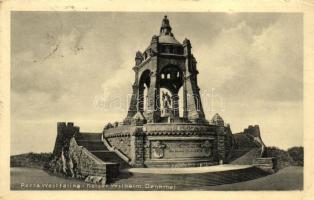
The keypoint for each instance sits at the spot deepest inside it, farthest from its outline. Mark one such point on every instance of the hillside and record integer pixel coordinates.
(30, 160)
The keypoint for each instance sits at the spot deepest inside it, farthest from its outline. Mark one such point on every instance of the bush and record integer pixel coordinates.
(282, 156)
(297, 155)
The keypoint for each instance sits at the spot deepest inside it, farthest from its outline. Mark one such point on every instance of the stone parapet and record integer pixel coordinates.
(121, 131)
(87, 165)
(178, 129)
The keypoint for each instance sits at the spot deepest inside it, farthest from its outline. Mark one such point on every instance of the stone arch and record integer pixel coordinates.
(145, 78)
(144, 85)
(173, 78)
(173, 82)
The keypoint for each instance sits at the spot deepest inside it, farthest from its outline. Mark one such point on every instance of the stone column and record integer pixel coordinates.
(175, 105)
(185, 104)
(194, 105)
(153, 101)
(133, 106)
(140, 99)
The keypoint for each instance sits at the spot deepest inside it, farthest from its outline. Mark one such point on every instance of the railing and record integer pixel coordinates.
(114, 149)
(86, 152)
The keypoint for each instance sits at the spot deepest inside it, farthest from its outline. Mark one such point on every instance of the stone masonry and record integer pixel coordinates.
(76, 161)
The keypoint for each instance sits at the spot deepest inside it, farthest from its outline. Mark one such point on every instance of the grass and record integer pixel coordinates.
(30, 160)
(289, 178)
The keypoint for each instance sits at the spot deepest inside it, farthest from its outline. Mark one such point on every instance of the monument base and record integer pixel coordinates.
(168, 144)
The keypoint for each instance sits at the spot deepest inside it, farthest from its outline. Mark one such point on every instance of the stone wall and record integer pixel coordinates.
(64, 133)
(122, 143)
(248, 146)
(229, 143)
(70, 159)
(221, 144)
(179, 145)
(88, 166)
(267, 164)
(137, 142)
(182, 143)
(125, 139)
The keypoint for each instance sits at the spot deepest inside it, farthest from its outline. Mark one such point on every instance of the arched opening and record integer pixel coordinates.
(173, 78)
(169, 91)
(144, 84)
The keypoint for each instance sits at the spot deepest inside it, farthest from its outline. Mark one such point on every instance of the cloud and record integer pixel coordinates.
(244, 65)
(64, 75)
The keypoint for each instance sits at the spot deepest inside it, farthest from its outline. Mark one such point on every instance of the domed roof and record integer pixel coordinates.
(168, 39)
(165, 35)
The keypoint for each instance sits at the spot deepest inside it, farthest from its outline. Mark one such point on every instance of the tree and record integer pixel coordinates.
(282, 156)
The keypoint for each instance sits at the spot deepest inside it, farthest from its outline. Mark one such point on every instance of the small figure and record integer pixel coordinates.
(166, 102)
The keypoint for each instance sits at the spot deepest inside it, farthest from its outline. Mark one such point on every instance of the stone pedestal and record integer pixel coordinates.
(168, 144)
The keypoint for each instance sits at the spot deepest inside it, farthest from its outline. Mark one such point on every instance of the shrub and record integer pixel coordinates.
(297, 155)
(282, 156)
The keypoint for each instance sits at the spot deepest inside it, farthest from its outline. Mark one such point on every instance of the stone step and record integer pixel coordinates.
(109, 156)
(193, 180)
(247, 158)
(88, 136)
(92, 145)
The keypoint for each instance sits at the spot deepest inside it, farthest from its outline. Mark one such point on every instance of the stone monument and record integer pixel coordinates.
(156, 134)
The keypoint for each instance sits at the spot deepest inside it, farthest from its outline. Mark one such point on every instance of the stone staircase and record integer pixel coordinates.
(111, 157)
(190, 181)
(245, 156)
(95, 145)
(92, 142)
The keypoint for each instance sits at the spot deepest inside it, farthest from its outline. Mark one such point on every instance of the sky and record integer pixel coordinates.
(77, 66)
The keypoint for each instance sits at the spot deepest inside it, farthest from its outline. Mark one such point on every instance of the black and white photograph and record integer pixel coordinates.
(156, 101)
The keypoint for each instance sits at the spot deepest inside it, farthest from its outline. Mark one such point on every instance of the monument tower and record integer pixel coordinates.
(155, 133)
(166, 63)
